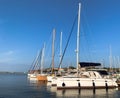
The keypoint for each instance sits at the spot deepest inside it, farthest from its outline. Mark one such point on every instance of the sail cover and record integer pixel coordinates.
(89, 64)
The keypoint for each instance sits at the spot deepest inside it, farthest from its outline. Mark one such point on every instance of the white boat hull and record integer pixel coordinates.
(32, 77)
(49, 78)
(68, 82)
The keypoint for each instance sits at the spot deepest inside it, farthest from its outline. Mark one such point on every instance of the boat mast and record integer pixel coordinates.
(78, 38)
(110, 57)
(60, 48)
(53, 54)
(42, 59)
(118, 63)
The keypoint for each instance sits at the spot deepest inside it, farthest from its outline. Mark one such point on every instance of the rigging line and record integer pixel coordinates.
(48, 49)
(68, 41)
(47, 55)
(87, 25)
(38, 59)
(33, 64)
(48, 44)
(31, 67)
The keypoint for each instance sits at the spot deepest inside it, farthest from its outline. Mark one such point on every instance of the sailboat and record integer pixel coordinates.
(84, 79)
(42, 76)
(33, 71)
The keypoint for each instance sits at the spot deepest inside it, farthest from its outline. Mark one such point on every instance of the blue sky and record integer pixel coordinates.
(26, 24)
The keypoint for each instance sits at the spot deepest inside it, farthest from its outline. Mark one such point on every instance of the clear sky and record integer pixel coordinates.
(26, 24)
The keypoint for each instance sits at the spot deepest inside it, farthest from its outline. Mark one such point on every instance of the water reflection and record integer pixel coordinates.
(38, 84)
(76, 93)
(39, 89)
(52, 92)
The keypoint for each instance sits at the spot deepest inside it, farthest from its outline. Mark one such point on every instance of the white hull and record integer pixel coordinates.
(49, 78)
(69, 82)
(88, 79)
(32, 76)
(33, 79)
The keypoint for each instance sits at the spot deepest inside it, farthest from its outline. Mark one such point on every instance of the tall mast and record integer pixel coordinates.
(53, 54)
(42, 59)
(118, 65)
(78, 38)
(110, 58)
(60, 48)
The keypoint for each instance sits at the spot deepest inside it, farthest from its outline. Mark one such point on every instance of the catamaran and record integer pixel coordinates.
(83, 79)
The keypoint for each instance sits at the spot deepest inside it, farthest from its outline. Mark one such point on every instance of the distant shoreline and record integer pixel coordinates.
(12, 72)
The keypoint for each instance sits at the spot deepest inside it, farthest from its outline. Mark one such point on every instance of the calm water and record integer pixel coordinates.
(18, 86)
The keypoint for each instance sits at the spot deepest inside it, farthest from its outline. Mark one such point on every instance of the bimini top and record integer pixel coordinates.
(89, 64)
